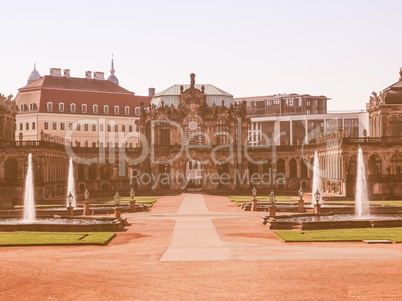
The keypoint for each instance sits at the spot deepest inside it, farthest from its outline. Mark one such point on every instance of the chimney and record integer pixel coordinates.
(55, 71)
(151, 92)
(66, 72)
(88, 74)
(99, 75)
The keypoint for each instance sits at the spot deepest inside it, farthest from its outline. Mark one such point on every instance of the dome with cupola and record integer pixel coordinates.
(34, 76)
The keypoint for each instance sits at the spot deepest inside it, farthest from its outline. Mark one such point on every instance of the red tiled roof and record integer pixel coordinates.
(79, 91)
(75, 83)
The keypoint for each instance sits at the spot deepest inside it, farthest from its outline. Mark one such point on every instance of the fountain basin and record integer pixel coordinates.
(65, 224)
(280, 207)
(50, 211)
(331, 221)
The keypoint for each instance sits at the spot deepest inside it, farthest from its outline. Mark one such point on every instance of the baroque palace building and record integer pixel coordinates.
(190, 136)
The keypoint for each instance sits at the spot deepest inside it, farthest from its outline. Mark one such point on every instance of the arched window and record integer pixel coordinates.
(84, 108)
(162, 133)
(106, 109)
(222, 132)
(31, 106)
(81, 172)
(49, 106)
(105, 173)
(116, 110)
(137, 111)
(22, 107)
(95, 109)
(72, 107)
(280, 167)
(395, 126)
(267, 168)
(374, 165)
(92, 172)
(11, 170)
(396, 164)
(127, 110)
(61, 107)
(292, 169)
(303, 169)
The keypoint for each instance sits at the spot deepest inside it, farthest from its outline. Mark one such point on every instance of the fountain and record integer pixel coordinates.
(52, 221)
(316, 178)
(29, 194)
(71, 184)
(341, 216)
(362, 205)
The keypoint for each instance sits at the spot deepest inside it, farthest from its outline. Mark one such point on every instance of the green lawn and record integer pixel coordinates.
(148, 200)
(395, 203)
(41, 205)
(54, 238)
(244, 199)
(394, 234)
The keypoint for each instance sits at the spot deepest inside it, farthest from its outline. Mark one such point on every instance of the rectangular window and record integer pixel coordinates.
(109, 128)
(27, 126)
(101, 127)
(94, 128)
(54, 126)
(78, 127)
(123, 128)
(21, 127)
(285, 129)
(46, 125)
(298, 132)
(70, 126)
(351, 127)
(62, 126)
(86, 127)
(116, 128)
(130, 128)
(33, 125)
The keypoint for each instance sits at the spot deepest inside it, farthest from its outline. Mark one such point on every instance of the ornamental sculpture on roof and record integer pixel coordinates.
(192, 81)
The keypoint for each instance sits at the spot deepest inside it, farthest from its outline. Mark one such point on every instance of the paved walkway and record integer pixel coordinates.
(166, 255)
(195, 238)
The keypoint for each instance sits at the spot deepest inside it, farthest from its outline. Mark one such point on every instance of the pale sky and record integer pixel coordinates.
(341, 49)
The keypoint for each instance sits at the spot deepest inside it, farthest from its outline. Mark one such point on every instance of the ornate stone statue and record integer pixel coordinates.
(192, 81)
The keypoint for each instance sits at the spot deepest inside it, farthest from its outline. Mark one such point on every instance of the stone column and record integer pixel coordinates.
(117, 212)
(254, 204)
(86, 208)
